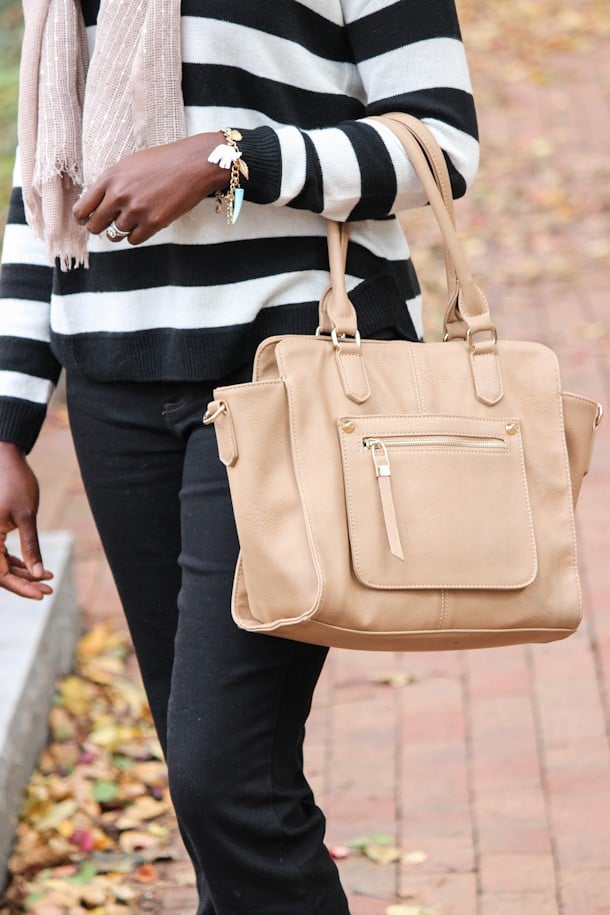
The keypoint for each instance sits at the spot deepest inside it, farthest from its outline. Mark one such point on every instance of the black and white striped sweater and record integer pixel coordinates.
(194, 301)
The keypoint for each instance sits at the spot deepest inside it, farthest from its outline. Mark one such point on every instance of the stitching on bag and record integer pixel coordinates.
(346, 381)
(351, 523)
(487, 391)
(250, 384)
(586, 400)
(443, 619)
(415, 381)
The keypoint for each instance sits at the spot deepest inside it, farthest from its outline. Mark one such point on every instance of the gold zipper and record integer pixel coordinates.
(490, 443)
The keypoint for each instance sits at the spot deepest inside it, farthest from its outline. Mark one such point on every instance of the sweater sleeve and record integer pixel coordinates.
(28, 368)
(408, 57)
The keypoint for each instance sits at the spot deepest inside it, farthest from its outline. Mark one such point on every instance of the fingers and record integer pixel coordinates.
(96, 211)
(88, 204)
(18, 568)
(30, 547)
(98, 221)
(15, 578)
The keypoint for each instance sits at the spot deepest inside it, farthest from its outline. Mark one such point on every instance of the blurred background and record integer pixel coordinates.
(536, 227)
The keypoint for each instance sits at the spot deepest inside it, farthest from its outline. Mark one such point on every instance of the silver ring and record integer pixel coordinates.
(113, 231)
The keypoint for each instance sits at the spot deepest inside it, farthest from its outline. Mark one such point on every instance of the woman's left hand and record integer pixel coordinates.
(151, 188)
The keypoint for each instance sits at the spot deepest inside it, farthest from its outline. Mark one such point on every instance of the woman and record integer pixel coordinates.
(152, 301)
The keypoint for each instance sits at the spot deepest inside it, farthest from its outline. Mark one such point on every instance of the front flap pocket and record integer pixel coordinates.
(437, 502)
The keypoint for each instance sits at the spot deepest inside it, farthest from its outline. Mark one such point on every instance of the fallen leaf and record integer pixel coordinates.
(143, 808)
(150, 773)
(113, 736)
(86, 873)
(104, 791)
(76, 695)
(56, 815)
(382, 854)
(593, 330)
(339, 852)
(395, 679)
(63, 727)
(135, 840)
(414, 857)
(361, 842)
(124, 894)
(146, 873)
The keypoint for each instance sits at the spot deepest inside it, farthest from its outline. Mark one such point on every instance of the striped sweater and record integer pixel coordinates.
(195, 300)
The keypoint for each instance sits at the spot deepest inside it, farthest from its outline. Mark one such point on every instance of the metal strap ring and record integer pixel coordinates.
(209, 418)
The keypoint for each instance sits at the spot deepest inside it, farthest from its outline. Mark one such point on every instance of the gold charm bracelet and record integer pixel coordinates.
(234, 195)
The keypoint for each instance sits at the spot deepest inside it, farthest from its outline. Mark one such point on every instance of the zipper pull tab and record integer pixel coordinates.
(383, 472)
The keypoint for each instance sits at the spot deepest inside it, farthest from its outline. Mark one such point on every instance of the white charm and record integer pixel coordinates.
(224, 155)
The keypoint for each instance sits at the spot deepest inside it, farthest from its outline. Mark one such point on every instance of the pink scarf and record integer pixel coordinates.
(77, 118)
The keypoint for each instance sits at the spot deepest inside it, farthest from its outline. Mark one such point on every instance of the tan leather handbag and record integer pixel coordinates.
(406, 496)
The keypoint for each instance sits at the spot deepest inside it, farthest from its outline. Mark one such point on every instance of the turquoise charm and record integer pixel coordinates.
(238, 199)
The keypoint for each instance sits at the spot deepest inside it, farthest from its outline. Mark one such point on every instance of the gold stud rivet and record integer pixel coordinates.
(348, 425)
(511, 428)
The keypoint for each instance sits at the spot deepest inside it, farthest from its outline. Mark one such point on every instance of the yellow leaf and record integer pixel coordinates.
(76, 695)
(97, 640)
(382, 854)
(112, 736)
(104, 670)
(153, 773)
(62, 725)
(132, 695)
(396, 679)
(414, 857)
(56, 815)
(144, 808)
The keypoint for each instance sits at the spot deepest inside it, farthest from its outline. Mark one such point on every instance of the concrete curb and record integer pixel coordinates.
(36, 645)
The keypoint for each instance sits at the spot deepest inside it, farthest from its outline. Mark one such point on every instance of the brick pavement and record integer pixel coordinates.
(494, 764)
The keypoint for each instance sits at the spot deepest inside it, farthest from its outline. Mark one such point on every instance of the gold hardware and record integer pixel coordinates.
(382, 463)
(441, 441)
(338, 338)
(470, 334)
(600, 415)
(348, 425)
(209, 418)
(512, 428)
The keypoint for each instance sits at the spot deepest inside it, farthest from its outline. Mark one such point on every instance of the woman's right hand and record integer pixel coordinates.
(27, 576)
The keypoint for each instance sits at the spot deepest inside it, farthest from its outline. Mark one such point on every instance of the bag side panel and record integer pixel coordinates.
(278, 569)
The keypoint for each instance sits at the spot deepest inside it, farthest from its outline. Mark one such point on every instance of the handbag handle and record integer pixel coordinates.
(471, 303)
(440, 172)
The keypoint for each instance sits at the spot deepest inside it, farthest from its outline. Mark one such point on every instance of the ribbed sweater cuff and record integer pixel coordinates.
(20, 422)
(261, 151)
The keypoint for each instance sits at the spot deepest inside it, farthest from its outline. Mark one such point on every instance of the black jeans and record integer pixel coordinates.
(229, 706)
